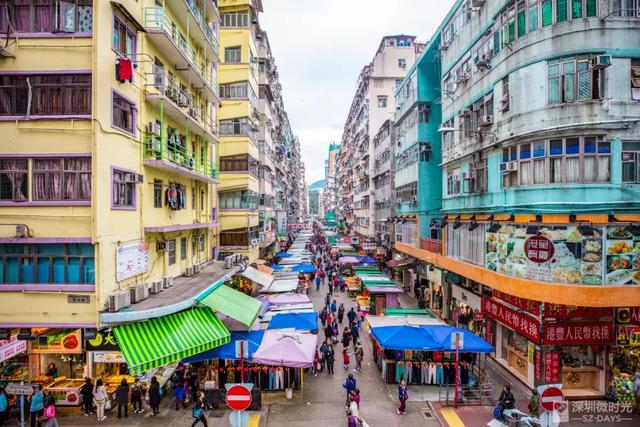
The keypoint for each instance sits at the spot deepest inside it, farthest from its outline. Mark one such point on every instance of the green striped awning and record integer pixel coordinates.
(233, 303)
(163, 340)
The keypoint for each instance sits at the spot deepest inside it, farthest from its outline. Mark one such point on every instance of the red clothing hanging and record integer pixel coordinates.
(124, 68)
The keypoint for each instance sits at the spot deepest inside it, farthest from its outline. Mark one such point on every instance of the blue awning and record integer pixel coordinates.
(228, 351)
(276, 267)
(367, 260)
(471, 342)
(405, 338)
(283, 254)
(304, 268)
(298, 321)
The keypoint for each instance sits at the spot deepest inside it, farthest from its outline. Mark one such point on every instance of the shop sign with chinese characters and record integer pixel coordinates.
(600, 412)
(538, 249)
(628, 335)
(579, 333)
(551, 367)
(519, 322)
(527, 305)
(538, 364)
(11, 347)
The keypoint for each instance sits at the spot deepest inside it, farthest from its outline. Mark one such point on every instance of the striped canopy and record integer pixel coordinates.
(163, 340)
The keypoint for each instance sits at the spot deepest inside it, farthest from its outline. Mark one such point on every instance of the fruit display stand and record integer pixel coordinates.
(65, 391)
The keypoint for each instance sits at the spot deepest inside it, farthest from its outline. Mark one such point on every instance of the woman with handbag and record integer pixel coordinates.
(100, 398)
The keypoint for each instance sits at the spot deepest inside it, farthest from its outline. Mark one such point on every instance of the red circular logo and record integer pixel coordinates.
(238, 398)
(538, 249)
(551, 399)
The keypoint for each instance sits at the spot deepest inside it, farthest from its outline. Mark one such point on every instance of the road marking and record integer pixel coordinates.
(254, 421)
(451, 417)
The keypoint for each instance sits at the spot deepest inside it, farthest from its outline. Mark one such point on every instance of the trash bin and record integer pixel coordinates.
(289, 393)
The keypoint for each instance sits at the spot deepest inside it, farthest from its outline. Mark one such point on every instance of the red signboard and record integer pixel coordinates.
(519, 322)
(551, 399)
(538, 365)
(635, 315)
(551, 368)
(579, 333)
(528, 305)
(488, 331)
(238, 397)
(538, 249)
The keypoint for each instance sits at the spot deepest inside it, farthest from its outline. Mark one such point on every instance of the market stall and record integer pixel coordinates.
(14, 361)
(295, 321)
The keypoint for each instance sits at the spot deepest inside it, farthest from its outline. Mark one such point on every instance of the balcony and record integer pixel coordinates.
(164, 34)
(166, 95)
(431, 245)
(174, 158)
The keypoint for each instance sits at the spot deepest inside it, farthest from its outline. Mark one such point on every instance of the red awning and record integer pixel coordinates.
(399, 262)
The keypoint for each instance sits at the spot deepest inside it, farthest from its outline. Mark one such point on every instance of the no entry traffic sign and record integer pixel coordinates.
(551, 399)
(238, 398)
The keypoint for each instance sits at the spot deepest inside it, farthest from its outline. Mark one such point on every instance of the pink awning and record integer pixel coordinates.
(284, 299)
(282, 348)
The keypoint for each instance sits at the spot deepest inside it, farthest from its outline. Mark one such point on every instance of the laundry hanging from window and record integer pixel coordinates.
(176, 197)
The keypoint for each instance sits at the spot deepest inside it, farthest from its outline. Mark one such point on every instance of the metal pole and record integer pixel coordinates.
(21, 410)
(455, 391)
(242, 361)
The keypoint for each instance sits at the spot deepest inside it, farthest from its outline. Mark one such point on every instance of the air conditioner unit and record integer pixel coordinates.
(188, 272)
(623, 315)
(486, 120)
(21, 231)
(161, 245)
(153, 128)
(183, 100)
(196, 268)
(139, 293)
(157, 286)
(156, 144)
(167, 282)
(119, 300)
(600, 62)
(512, 166)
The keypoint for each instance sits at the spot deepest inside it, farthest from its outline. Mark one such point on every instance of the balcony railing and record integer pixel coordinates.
(431, 245)
(204, 25)
(156, 20)
(155, 147)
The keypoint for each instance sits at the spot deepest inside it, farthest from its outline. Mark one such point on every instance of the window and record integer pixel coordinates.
(62, 179)
(424, 111)
(407, 193)
(402, 63)
(47, 263)
(570, 160)
(124, 114)
(157, 193)
(453, 182)
(378, 83)
(476, 180)
(398, 82)
(124, 189)
(547, 12)
(382, 101)
(234, 20)
(201, 200)
(171, 251)
(47, 16)
(635, 79)
(239, 163)
(561, 10)
(233, 55)
(239, 237)
(466, 245)
(183, 248)
(572, 79)
(237, 126)
(626, 8)
(51, 94)
(14, 177)
(533, 15)
(239, 200)
(631, 162)
(234, 90)
(124, 39)
(504, 101)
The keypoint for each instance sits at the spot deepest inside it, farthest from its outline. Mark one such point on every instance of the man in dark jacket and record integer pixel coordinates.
(351, 315)
(349, 384)
(506, 398)
(87, 396)
(122, 398)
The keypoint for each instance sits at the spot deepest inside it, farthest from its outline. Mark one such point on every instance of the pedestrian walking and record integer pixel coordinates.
(353, 406)
(327, 300)
(403, 395)
(50, 413)
(340, 313)
(154, 396)
(137, 391)
(354, 333)
(329, 318)
(352, 421)
(36, 406)
(345, 358)
(356, 397)
(4, 406)
(331, 287)
(86, 391)
(122, 398)
(318, 281)
(331, 359)
(350, 385)
(198, 413)
(100, 397)
(180, 395)
(359, 354)
(351, 315)
(334, 307)
(346, 339)
(193, 384)
(335, 331)
(323, 316)
(328, 332)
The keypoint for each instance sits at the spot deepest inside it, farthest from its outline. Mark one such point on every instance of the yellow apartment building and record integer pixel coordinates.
(238, 118)
(108, 160)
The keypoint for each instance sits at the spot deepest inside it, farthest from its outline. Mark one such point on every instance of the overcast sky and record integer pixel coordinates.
(320, 46)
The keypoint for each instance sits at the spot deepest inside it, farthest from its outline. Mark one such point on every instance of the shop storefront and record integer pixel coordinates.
(435, 297)
(466, 306)
(624, 358)
(14, 361)
(57, 361)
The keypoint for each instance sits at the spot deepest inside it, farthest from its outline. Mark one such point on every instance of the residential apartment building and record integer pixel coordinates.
(372, 105)
(108, 164)
(330, 195)
(239, 122)
(540, 131)
(384, 145)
